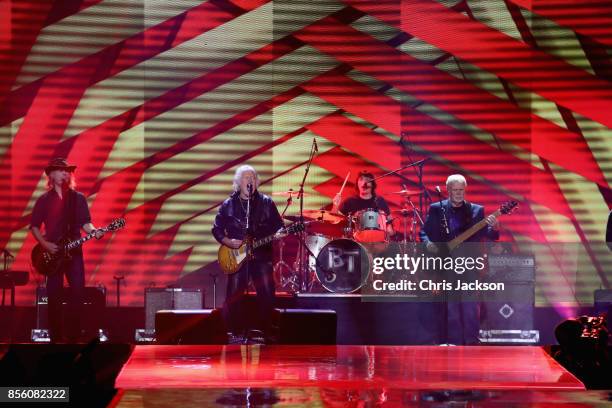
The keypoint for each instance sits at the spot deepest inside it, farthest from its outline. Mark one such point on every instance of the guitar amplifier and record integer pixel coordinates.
(94, 299)
(511, 268)
(170, 299)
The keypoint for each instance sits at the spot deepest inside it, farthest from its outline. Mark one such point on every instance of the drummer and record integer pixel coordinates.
(366, 198)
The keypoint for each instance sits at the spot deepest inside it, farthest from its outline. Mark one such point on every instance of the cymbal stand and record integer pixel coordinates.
(416, 216)
(285, 276)
(303, 266)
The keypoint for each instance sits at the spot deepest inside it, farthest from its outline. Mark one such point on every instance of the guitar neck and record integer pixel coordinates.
(77, 243)
(262, 241)
(459, 239)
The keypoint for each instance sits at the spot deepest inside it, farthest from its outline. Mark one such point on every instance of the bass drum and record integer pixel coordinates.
(343, 266)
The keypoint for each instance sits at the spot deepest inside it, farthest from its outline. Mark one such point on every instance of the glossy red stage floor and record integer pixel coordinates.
(357, 397)
(346, 367)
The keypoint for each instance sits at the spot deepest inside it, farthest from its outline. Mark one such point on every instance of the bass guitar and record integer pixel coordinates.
(504, 209)
(230, 260)
(49, 264)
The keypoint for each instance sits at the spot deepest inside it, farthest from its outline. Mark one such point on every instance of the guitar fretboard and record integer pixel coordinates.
(77, 243)
(455, 242)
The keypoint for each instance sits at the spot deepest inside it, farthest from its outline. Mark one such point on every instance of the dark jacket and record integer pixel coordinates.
(433, 231)
(231, 220)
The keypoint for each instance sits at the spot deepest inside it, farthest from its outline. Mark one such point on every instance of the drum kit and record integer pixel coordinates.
(337, 250)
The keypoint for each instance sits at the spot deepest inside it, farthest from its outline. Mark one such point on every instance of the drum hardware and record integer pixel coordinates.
(407, 193)
(405, 213)
(284, 275)
(288, 193)
(302, 270)
(324, 215)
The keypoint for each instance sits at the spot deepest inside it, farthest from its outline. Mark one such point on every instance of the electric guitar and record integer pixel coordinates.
(506, 208)
(230, 260)
(49, 264)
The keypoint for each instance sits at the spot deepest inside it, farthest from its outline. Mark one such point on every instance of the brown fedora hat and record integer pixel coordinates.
(59, 163)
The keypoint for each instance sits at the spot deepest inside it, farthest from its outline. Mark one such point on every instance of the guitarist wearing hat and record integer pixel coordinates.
(231, 229)
(63, 211)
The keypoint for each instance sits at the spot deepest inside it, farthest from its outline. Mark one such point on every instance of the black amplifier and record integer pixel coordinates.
(511, 268)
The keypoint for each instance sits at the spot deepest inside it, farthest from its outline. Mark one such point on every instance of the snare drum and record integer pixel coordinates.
(370, 226)
(343, 266)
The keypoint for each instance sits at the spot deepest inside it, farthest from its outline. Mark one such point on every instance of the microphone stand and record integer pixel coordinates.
(418, 171)
(303, 271)
(247, 248)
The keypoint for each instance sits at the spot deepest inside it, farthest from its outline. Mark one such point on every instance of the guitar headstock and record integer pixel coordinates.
(508, 207)
(295, 228)
(116, 224)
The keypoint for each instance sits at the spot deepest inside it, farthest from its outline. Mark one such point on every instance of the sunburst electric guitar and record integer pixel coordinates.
(230, 260)
(49, 264)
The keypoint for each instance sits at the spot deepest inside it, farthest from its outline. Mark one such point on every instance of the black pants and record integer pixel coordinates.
(74, 270)
(260, 273)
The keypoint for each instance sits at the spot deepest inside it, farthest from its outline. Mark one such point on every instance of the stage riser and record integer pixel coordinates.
(357, 321)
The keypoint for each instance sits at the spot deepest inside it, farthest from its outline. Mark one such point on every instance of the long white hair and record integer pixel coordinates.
(238, 175)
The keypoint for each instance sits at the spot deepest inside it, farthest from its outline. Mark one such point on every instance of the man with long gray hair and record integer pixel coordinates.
(230, 229)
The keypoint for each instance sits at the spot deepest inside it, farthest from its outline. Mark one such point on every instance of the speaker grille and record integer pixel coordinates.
(169, 299)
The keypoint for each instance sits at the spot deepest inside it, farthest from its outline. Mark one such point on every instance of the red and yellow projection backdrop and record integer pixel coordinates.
(157, 102)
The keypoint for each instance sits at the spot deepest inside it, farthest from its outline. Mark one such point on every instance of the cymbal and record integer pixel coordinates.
(405, 211)
(324, 215)
(407, 193)
(292, 218)
(288, 193)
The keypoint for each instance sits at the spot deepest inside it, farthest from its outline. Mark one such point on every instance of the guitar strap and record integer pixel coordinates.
(465, 217)
(468, 214)
(69, 213)
(257, 210)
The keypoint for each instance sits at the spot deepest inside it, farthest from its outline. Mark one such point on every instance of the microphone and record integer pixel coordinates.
(438, 190)
(314, 141)
(250, 188)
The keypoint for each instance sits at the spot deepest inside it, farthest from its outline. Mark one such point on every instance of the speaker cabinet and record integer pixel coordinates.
(94, 302)
(170, 299)
(203, 326)
(305, 326)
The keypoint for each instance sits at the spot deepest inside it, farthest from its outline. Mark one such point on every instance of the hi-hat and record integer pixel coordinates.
(324, 215)
(407, 193)
(288, 193)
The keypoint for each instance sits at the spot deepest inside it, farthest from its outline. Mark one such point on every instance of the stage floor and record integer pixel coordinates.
(357, 397)
(344, 367)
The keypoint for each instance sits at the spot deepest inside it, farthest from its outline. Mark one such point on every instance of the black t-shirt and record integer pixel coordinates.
(459, 219)
(55, 213)
(353, 204)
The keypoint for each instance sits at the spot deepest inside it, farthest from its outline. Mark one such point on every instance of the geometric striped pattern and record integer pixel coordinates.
(157, 103)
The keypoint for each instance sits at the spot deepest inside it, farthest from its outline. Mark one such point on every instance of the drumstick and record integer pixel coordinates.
(344, 184)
